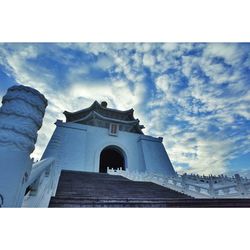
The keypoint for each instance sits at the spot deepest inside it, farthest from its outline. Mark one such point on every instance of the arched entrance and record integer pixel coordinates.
(111, 157)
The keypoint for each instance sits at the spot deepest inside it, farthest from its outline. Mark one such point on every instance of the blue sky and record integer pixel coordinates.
(195, 95)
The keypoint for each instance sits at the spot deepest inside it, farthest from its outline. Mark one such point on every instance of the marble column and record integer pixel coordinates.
(21, 116)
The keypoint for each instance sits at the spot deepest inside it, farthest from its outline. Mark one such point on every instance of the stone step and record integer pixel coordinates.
(145, 202)
(99, 185)
(107, 202)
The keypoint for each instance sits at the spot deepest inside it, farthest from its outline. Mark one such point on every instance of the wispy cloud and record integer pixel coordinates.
(195, 95)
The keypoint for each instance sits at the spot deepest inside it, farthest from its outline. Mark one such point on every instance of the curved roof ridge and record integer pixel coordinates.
(82, 110)
(96, 104)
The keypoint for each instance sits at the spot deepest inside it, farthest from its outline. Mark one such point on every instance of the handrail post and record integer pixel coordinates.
(211, 188)
(183, 182)
(240, 186)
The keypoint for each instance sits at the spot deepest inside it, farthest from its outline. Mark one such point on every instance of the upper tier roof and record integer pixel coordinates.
(101, 116)
(127, 115)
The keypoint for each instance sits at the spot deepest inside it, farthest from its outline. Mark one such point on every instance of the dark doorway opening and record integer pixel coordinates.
(112, 158)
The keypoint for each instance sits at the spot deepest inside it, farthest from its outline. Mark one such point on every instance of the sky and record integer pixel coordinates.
(195, 95)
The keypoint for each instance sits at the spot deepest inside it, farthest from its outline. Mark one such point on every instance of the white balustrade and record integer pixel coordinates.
(41, 184)
(195, 185)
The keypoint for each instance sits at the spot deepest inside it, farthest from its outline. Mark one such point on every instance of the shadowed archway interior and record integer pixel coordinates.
(112, 158)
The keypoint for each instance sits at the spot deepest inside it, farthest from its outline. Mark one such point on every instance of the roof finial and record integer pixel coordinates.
(104, 104)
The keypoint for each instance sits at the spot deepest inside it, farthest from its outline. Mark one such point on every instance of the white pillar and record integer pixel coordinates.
(21, 117)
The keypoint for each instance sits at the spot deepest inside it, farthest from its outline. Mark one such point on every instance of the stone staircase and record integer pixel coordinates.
(85, 189)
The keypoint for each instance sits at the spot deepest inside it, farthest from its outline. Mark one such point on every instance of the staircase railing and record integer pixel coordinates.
(235, 187)
(41, 184)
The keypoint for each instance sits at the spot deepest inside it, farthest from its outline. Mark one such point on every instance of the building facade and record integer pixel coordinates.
(98, 137)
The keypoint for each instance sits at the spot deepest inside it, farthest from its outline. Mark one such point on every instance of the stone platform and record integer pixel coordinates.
(85, 189)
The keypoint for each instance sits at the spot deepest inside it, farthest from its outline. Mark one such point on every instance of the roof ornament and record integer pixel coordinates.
(104, 104)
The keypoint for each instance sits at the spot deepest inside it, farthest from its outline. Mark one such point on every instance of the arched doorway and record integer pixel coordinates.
(111, 157)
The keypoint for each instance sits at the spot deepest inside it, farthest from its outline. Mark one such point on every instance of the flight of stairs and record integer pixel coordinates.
(86, 189)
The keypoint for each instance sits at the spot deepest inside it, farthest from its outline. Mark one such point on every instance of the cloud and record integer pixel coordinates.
(148, 60)
(162, 83)
(208, 111)
(194, 95)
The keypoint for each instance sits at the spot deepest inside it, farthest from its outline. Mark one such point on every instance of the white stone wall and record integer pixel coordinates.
(78, 147)
(155, 156)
